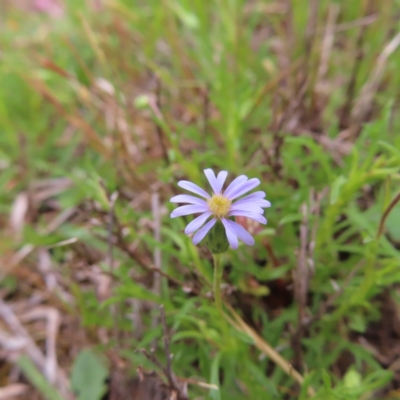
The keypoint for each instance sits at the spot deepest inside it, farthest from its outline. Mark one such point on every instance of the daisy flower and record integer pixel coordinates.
(219, 206)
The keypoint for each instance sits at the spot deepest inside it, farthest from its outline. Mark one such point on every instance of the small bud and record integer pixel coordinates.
(216, 240)
(142, 101)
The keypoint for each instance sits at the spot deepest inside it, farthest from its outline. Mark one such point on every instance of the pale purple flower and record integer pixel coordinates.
(220, 206)
(50, 7)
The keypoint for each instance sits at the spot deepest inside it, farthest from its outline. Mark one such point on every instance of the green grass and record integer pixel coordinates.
(132, 99)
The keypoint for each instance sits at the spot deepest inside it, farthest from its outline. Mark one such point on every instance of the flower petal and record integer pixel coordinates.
(244, 188)
(199, 235)
(247, 207)
(242, 234)
(234, 184)
(193, 188)
(221, 179)
(231, 236)
(186, 210)
(254, 196)
(187, 198)
(209, 173)
(248, 214)
(197, 223)
(257, 202)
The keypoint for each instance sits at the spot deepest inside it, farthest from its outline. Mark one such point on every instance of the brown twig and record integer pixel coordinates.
(53, 319)
(325, 305)
(155, 206)
(311, 26)
(13, 391)
(264, 347)
(304, 270)
(106, 281)
(206, 109)
(364, 101)
(301, 279)
(110, 227)
(7, 265)
(33, 351)
(170, 375)
(327, 42)
(350, 91)
(121, 244)
(370, 19)
(147, 266)
(156, 107)
(386, 214)
(152, 358)
(278, 139)
(168, 372)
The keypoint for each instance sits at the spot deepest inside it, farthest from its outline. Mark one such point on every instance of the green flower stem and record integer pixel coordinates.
(217, 281)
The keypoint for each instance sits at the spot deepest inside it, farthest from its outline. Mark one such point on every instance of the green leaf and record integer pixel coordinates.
(31, 372)
(352, 379)
(388, 146)
(188, 18)
(306, 384)
(290, 218)
(358, 323)
(392, 223)
(88, 376)
(214, 379)
(262, 379)
(327, 380)
(335, 191)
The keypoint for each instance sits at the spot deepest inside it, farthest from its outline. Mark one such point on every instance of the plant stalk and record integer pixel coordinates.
(217, 281)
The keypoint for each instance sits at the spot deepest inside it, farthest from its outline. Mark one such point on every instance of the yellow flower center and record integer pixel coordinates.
(219, 205)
